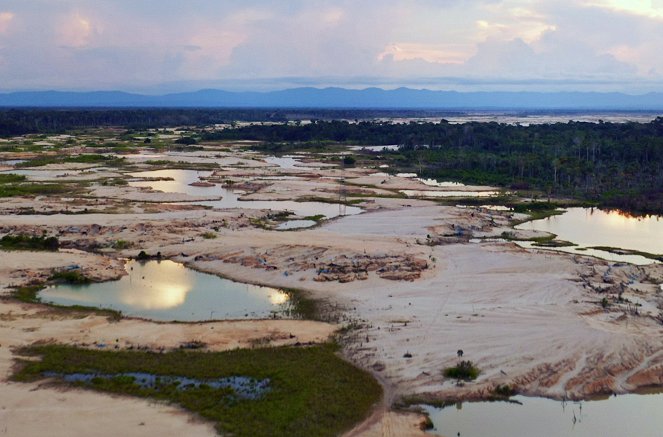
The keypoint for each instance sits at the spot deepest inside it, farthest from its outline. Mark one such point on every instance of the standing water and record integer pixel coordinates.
(166, 290)
(621, 416)
(592, 227)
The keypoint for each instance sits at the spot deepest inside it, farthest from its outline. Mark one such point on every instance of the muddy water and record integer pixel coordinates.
(166, 290)
(621, 416)
(590, 227)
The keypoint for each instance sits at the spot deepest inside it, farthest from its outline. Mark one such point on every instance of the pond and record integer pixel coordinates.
(243, 387)
(592, 227)
(296, 224)
(230, 199)
(284, 162)
(620, 416)
(179, 183)
(166, 290)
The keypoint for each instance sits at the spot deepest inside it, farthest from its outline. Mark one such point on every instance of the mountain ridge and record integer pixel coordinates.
(335, 97)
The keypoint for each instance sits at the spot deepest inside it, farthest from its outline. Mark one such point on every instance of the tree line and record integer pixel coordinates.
(617, 164)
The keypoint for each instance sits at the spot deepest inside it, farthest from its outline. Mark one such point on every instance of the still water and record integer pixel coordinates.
(179, 183)
(449, 193)
(621, 416)
(590, 227)
(166, 290)
(230, 199)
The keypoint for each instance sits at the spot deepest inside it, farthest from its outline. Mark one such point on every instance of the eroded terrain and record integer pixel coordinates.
(410, 281)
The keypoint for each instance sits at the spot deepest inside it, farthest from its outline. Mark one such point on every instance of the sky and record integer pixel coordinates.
(160, 46)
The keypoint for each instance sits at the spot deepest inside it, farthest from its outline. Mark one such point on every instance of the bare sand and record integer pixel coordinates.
(406, 276)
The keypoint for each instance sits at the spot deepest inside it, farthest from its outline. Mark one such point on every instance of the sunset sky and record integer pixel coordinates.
(157, 46)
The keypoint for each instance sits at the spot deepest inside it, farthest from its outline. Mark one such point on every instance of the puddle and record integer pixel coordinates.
(285, 162)
(626, 415)
(12, 161)
(302, 209)
(179, 183)
(296, 224)
(243, 387)
(449, 193)
(166, 290)
(590, 227)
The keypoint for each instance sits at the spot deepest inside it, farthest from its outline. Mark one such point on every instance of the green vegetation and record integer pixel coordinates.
(69, 277)
(312, 392)
(10, 178)
(30, 294)
(315, 218)
(553, 243)
(12, 185)
(349, 160)
(121, 244)
(619, 251)
(208, 235)
(186, 141)
(614, 165)
(504, 391)
(29, 242)
(108, 160)
(465, 370)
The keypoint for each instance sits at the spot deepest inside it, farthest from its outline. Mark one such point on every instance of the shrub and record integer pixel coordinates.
(29, 242)
(465, 370)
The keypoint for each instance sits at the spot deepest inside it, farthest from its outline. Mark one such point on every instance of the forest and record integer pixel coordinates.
(614, 164)
(21, 121)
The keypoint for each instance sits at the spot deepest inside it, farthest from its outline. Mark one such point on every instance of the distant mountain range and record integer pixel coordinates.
(374, 98)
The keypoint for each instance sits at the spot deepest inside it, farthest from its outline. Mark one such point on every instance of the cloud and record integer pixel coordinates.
(5, 21)
(125, 44)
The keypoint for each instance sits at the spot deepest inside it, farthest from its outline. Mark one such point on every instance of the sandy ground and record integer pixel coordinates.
(408, 276)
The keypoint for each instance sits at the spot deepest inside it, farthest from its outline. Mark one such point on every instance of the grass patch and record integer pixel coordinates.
(30, 294)
(29, 242)
(312, 392)
(315, 218)
(553, 243)
(88, 158)
(11, 178)
(32, 189)
(182, 165)
(69, 277)
(465, 370)
(618, 251)
(208, 235)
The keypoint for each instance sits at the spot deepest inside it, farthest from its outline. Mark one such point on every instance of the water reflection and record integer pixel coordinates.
(627, 415)
(179, 183)
(167, 290)
(589, 227)
(230, 199)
